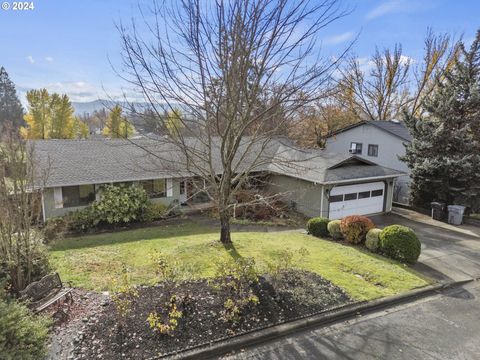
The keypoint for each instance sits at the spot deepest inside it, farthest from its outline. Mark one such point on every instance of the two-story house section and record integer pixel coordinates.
(382, 142)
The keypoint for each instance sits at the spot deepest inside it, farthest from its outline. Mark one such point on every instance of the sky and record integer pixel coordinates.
(69, 46)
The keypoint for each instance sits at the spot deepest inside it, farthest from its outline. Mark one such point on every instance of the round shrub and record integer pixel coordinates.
(372, 239)
(334, 229)
(317, 226)
(400, 243)
(355, 227)
(55, 228)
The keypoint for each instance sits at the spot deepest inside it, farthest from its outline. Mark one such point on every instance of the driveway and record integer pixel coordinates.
(449, 253)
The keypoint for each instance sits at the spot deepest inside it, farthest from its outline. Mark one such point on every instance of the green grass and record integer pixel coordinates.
(92, 261)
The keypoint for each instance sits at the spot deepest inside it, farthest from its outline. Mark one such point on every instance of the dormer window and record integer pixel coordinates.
(355, 148)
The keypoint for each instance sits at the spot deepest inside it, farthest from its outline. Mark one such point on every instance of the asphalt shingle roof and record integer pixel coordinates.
(77, 162)
(396, 128)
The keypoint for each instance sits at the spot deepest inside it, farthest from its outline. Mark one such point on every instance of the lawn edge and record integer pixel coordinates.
(222, 346)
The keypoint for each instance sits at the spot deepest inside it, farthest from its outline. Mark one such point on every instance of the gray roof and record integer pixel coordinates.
(394, 127)
(78, 162)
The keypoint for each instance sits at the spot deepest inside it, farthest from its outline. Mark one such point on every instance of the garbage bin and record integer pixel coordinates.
(438, 210)
(455, 214)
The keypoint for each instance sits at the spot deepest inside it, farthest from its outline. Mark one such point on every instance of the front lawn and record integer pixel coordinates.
(92, 261)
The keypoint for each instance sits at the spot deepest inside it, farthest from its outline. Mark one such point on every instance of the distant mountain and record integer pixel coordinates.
(82, 108)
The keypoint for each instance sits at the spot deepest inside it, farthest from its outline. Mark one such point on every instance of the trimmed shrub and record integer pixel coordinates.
(154, 211)
(355, 227)
(22, 334)
(334, 229)
(400, 243)
(317, 226)
(121, 204)
(372, 239)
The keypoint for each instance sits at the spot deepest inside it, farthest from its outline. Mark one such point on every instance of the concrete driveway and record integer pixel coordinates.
(449, 253)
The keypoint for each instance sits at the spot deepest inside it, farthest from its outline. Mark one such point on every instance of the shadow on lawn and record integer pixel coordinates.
(232, 251)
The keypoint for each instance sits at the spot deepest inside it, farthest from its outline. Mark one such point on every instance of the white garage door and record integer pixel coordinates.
(359, 199)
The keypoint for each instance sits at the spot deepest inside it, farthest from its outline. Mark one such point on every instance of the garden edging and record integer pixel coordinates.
(223, 346)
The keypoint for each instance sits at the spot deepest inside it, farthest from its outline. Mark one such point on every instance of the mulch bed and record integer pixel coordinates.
(296, 294)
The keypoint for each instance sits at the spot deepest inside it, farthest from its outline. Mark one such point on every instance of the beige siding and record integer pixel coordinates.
(306, 196)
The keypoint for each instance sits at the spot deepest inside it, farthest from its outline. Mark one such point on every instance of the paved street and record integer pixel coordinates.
(444, 326)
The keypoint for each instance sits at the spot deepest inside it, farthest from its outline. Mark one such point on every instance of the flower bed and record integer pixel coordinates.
(292, 295)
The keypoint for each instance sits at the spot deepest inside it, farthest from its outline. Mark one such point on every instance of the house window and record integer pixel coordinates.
(351, 196)
(155, 188)
(78, 195)
(372, 150)
(182, 187)
(336, 198)
(377, 193)
(355, 148)
(364, 194)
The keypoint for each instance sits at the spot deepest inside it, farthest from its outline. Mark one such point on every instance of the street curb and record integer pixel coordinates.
(221, 347)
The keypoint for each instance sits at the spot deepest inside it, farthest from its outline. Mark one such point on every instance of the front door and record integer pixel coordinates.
(183, 192)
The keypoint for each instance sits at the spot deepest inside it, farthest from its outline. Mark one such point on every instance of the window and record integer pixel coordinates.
(336, 198)
(377, 192)
(351, 196)
(182, 187)
(364, 194)
(372, 150)
(155, 188)
(355, 148)
(78, 195)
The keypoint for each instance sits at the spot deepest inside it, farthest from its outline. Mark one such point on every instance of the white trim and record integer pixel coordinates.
(321, 202)
(354, 181)
(43, 208)
(169, 187)
(58, 198)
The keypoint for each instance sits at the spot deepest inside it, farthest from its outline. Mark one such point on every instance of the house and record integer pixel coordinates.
(382, 142)
(315, 182)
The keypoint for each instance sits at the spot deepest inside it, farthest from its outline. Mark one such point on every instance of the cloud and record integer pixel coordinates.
(30, 59)
(400, 6)
(76, 90)
(337, 39)
(49, 59)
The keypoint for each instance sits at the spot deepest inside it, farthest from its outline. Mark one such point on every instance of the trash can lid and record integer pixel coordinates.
(456, 207)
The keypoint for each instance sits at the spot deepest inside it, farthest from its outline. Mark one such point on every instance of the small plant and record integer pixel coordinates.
(355, 228)
(55, 228)
(372, 239)
(123, 296)
(83, 220)
(317, 226)
(400, 243)
(235, 278)
(154, 211)
(285, 260)
(334, 229)
(166, 324)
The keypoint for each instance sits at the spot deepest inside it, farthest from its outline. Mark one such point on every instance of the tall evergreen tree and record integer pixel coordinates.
(11, 109)
(444, 156)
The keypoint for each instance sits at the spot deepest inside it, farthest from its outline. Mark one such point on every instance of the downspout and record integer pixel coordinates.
(321, 202)
(43, 207)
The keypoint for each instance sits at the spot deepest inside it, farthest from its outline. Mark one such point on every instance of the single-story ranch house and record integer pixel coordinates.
(314, 182)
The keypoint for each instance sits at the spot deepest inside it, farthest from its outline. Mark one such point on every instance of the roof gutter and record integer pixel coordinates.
(364, 179)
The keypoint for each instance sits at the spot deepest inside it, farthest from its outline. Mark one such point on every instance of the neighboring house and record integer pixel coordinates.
(382, 142)
(314, 182)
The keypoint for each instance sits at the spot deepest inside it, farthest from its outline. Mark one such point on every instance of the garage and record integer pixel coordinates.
(358, 199)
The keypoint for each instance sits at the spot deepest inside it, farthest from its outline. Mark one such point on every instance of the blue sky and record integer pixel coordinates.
(66, 45)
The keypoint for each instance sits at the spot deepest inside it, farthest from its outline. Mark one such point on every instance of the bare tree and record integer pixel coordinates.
(21, 256)
(231, 67)
(388, 83)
